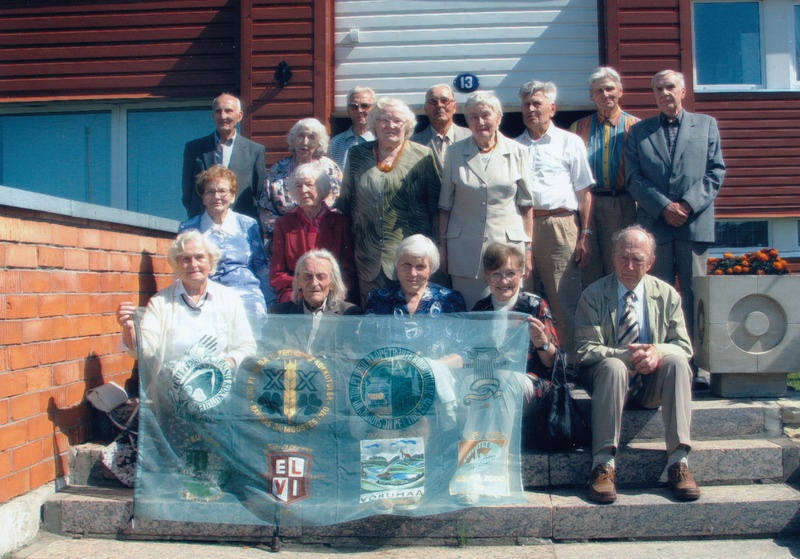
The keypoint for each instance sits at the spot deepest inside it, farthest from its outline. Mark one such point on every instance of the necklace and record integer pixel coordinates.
(386, 167)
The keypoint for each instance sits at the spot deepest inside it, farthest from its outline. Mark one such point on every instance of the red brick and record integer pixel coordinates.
(76, 392)
(37, 330)
(63, 282)
(28, 455)
(11, 332)
(99, 261)
(65, 235)
(3, 412)
(90, 238)
(21, 256)
(39, 427)
(89, 283)
(41, 473)
(14, 485)
(101, 303)
(91, 325)
(25, 406)
(77, 304)
(13, 435)
(12, 384)
(76, 259)
(52, 305)
(35, 281)
(10, 281)
(19, 306)
(50, 257)
(38, 379)
(10, 228)
(53, 399)
(5, 464)
(23, 356)
(2, 255)
(66, 373)
(36, 232)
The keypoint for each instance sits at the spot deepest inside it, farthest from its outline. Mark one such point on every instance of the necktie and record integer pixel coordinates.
(218, 154)
(628, 324)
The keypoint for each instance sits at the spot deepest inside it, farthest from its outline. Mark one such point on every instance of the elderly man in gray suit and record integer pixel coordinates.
(227, 148)
(440, 106)
(674, 170)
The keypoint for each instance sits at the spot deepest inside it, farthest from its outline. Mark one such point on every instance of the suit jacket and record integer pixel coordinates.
(247, 162)
(694, 175)
(290, 241)
(290, 307)
(597, 321)
(425, 137)
(483, 202)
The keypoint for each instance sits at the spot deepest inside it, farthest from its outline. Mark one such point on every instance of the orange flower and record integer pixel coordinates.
(718, 272)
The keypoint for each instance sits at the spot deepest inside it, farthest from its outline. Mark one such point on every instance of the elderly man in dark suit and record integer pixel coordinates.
(674, 170)
(225, 147)
(440, 107)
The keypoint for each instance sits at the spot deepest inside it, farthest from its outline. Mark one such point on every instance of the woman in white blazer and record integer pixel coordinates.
(485, 198)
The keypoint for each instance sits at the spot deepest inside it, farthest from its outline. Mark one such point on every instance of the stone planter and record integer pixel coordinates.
(747, 333)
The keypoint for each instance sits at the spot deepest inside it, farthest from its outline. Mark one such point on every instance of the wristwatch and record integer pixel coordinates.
(545, 347)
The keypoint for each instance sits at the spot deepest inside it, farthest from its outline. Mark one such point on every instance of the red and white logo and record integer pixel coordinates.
(288, 476)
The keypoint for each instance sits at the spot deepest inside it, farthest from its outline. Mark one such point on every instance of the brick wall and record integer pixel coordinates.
(61, 279)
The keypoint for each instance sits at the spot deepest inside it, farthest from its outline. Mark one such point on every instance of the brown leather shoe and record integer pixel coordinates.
(682, 483)
(601, 484)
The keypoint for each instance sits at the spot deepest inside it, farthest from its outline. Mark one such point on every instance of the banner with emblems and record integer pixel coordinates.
(328, 419)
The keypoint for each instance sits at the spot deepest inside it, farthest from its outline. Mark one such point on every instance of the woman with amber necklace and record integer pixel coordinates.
(390, 190)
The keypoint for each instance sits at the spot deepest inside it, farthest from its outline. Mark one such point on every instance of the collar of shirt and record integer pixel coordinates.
(186, 298)
(508, 305)
(312, 224)
(318, 310)
(665, 120)
(226, 143)
(546, 137)
(228, 225)
(613, 119)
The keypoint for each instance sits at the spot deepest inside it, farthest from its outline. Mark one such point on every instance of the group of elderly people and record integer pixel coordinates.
(336, 241)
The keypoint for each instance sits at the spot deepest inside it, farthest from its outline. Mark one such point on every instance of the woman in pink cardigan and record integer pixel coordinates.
(313, 226)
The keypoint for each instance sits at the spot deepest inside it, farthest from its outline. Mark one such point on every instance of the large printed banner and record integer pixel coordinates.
(332, 419)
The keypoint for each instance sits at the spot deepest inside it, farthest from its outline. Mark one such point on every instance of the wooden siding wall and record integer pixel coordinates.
(759, 130)
(56, 50)
(299, 32)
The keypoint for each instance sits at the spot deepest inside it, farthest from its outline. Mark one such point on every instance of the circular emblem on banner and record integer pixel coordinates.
(199, 384)
(203, 470)
(392, 388)
(466, 82)
(480, 456)
(290, 391)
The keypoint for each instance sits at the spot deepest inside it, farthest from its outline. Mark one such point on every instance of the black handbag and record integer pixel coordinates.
(557, 423)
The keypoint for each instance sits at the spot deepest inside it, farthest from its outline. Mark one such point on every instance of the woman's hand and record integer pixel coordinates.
(125, 312)
(538, 332)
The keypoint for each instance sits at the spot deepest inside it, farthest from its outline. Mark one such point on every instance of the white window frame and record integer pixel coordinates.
(777, 38)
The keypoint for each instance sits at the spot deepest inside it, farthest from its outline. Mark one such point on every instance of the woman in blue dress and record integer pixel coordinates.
(243, 265)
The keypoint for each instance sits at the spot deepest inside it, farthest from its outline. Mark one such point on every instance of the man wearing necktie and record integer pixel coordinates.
(632, 346)
(440, 107)
(674, 170)
(227, 148)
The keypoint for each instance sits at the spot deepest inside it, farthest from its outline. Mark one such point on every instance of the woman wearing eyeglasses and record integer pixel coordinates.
(503, 269)
(390, 191)
(243, 264)
(486, 197)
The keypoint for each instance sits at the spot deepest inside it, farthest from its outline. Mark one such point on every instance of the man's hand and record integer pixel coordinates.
(583, 251)
(676, 213)
(645, 358)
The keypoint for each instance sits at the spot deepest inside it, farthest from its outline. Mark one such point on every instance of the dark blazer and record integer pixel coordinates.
(247, 162)
(694, 175)
(290, 307)
(290, 241)
(426, 135)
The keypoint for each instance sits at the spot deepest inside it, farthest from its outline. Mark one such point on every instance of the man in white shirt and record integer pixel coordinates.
(359, 104)
(562, 215)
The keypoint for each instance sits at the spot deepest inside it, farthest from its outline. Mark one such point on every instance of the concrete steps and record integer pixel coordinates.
(742, 458)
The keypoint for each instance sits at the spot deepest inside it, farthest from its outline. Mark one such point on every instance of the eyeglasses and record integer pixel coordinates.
(434, 101)
(510, 275)
(387, 121)
(356, 106)
(222, 192)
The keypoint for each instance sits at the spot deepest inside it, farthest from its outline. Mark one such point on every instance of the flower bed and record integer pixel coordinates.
(764, 262)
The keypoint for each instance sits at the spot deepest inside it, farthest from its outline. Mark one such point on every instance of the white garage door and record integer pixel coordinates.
(402, 47)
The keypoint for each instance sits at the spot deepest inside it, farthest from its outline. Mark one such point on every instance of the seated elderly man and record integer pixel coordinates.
(317, 287)
(632, 344)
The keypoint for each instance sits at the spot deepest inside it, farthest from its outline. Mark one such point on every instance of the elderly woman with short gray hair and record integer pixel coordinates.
(390, 191)
(486, 197)
(308, 143)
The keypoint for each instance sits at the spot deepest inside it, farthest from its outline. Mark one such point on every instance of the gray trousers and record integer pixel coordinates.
(670, 387)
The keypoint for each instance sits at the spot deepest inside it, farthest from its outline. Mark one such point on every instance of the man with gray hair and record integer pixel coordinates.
(359, 104)
(440, 107)
(562, 202)
(674, 170)
(604, 133)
